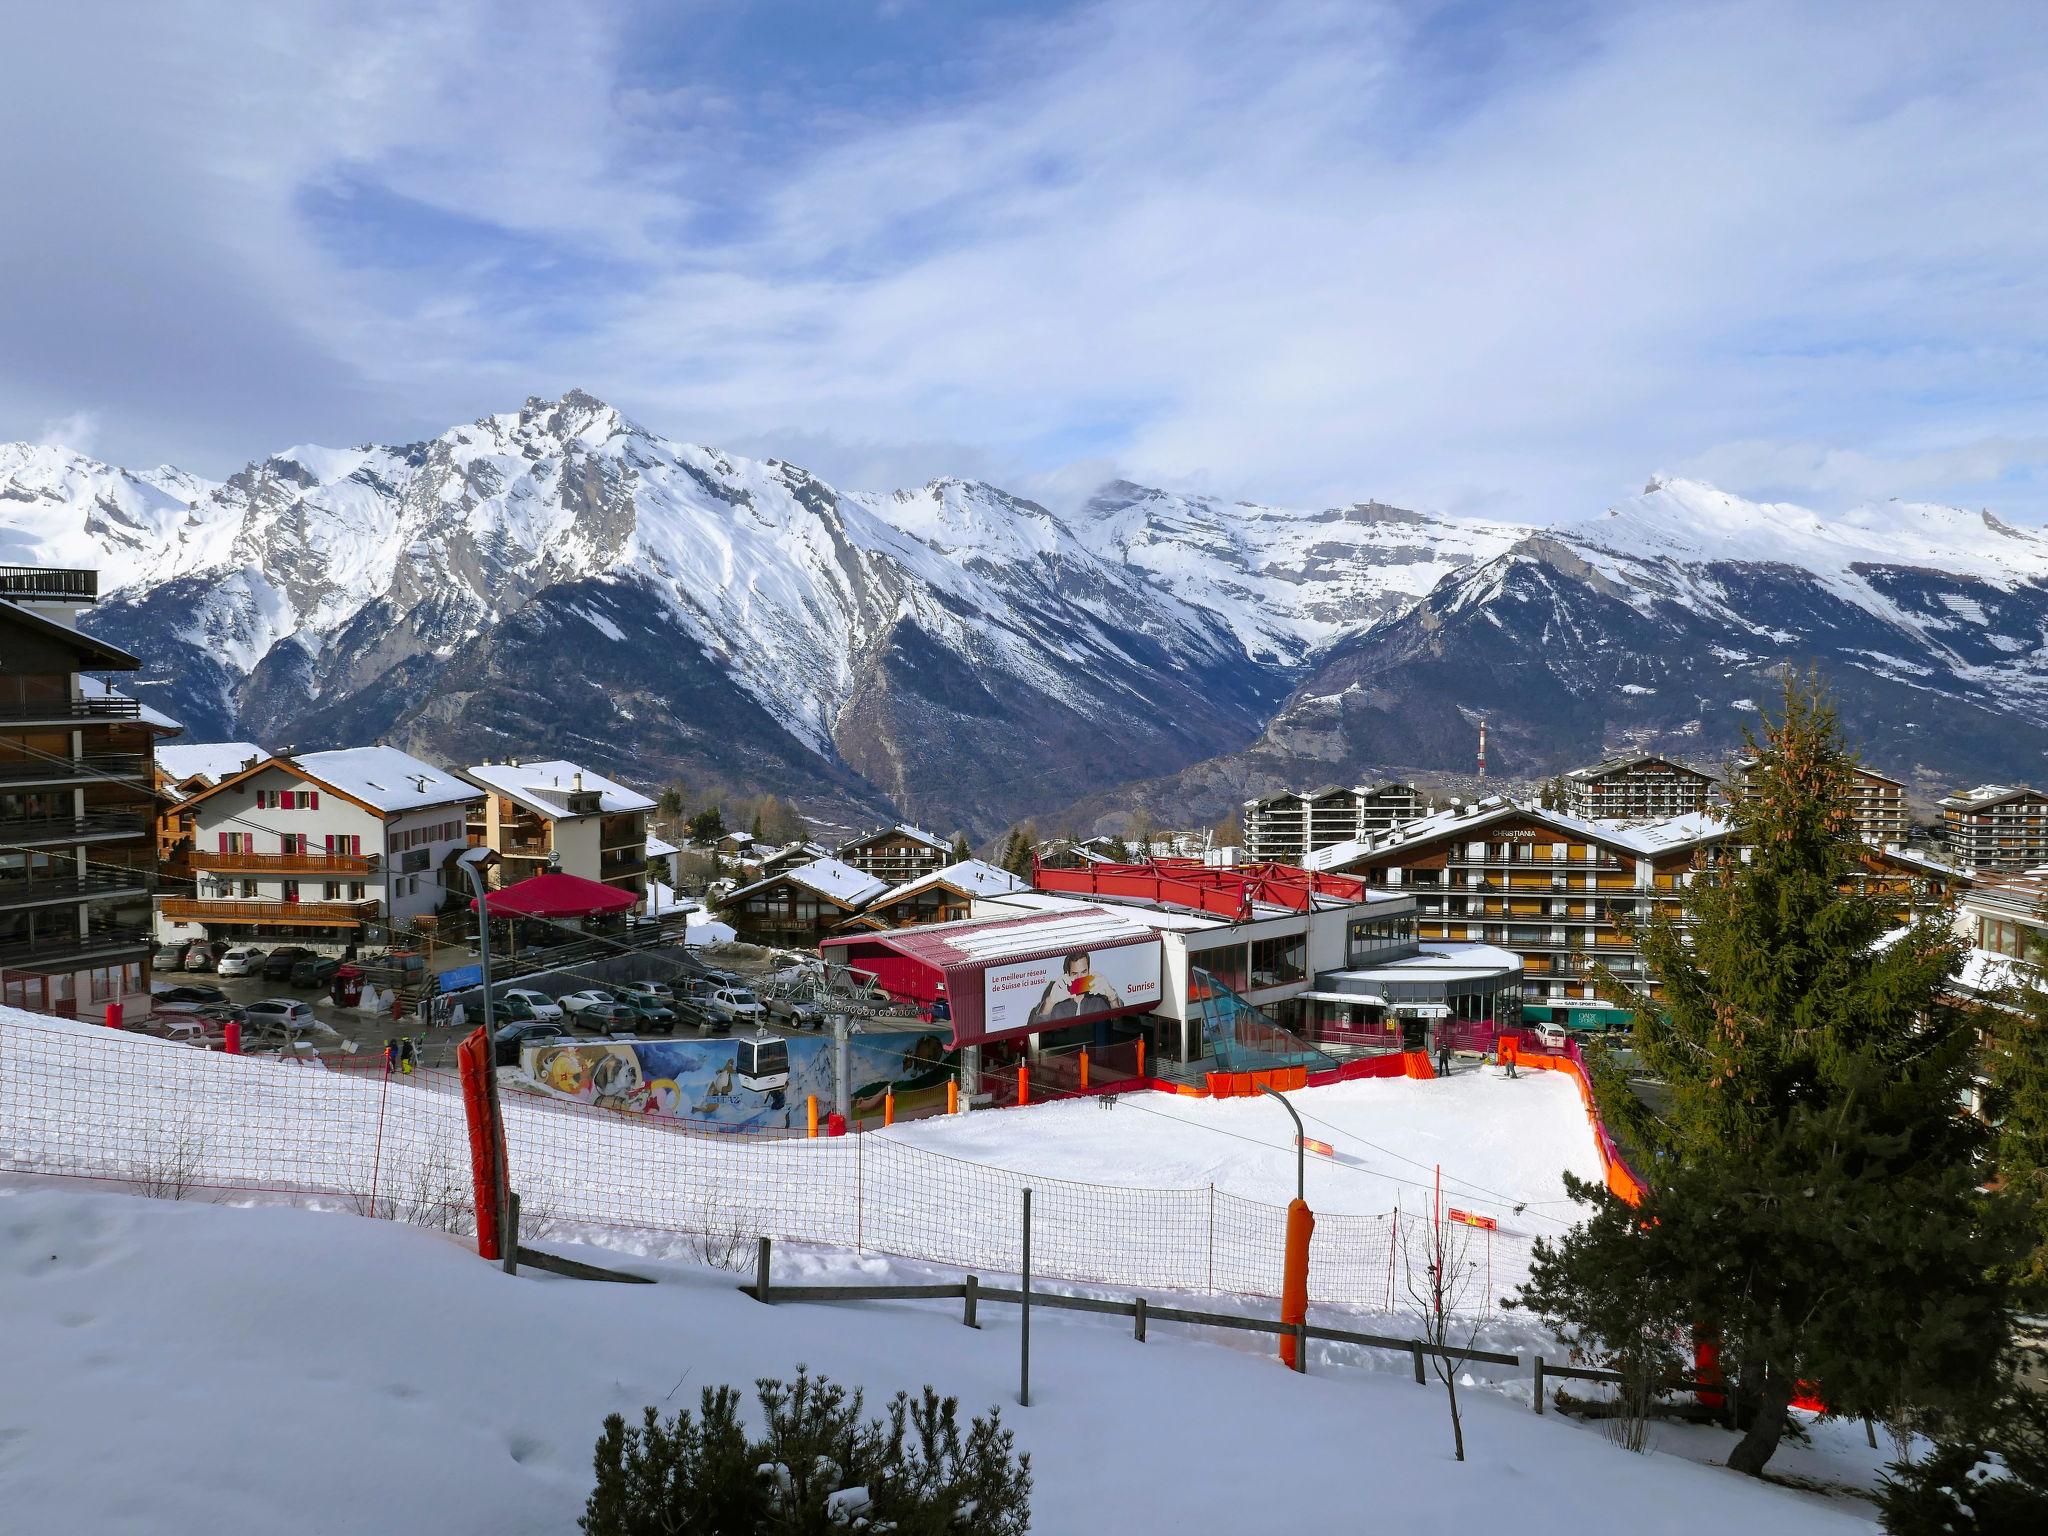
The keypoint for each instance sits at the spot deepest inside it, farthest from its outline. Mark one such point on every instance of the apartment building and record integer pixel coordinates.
(78, 854)
(559, 815)
(1878, 814)
(2007, 916)
(1639, 788)
(183, 769)
(338, 848)
(1556, 890)
(897, 854)
(1996, 828)
(1285, 828)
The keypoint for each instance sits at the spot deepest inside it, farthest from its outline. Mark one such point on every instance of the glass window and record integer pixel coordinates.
(1279, 960)
(1224, 963)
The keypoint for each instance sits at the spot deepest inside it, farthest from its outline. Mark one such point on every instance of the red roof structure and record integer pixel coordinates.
(1222, 890)
(557, 895)
(966, 964)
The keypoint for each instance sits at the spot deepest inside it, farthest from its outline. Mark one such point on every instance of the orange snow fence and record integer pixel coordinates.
(1301, 1226)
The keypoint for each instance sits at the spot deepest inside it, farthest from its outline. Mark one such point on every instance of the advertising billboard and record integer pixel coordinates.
(1067, 989)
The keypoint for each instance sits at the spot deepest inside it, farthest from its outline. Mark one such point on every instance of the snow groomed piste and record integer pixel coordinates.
(1158, 1192)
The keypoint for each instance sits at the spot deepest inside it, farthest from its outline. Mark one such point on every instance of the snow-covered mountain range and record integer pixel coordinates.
(559, 580)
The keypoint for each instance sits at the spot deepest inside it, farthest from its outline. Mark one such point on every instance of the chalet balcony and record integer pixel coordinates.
(47, 831)
(316, 863)
(94, 885)
(309, 914)
(131, 766)
(70, 950)
(67, 711)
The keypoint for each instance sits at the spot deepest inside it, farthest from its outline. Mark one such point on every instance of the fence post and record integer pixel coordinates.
(1420, 1379)
(1212, 1240)
(761, 1291)
(377, 1153)
(860, 1193)
(512, 1233)
(811, 1116)
(1300, 1343)
(952, 1095)
(1539, 1384)
(1023, 1085)
(888, 1106)
(1084, 1068)
(1141, 1056)
(1138, 1320)
(231, 1037)
(1024, 1372)
(973, 1289)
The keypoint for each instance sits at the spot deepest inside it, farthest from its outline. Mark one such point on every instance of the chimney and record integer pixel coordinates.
(579, 779)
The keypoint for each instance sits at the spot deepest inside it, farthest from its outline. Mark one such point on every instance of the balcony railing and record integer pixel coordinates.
(28, 583)
(112, 765)
(69, 709)
(55, 951)
(42, 830)
(228, 909)
(320, 863)
(94, 885)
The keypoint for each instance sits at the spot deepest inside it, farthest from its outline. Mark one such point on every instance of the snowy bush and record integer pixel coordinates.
(819, 1468)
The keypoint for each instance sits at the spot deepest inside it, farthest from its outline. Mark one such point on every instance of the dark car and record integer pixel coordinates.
(277, 965)
(512, 1038)
(653, 1015)
(315, 971)
(191, 997)
(604, 1018)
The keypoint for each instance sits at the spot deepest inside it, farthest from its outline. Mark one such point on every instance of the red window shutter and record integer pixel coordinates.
(223, 841)
(312, 799)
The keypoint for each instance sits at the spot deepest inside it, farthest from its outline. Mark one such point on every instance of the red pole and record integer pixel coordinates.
(835, 1124)
(1023, 1084)
(231, 1037)
(113, 1015)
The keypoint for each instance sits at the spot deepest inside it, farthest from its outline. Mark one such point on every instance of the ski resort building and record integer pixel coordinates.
(943, 896)
(560, 816)
(1556, 890)
(339, 848)
(78, 846)
(1285, 828)
(799, 905)
(1640, 788)
(1877, 808)
(1996, 828)
(897, 854)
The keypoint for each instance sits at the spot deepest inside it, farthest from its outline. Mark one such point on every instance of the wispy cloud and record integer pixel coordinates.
(1502, 258)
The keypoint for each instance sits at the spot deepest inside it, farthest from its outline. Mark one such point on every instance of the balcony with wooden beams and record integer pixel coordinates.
(290, 914)
(316, 862)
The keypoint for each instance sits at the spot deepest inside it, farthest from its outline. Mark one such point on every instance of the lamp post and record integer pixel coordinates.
(1300, 1143)
(474, 862)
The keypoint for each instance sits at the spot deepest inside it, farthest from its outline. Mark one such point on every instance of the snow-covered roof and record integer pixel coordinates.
(1986, 795)
(901, 829)
(660, 847)
(544, 787)
(94, 688)
(384, 778)
(209, 760)
(1634, 760)
(1644, 838)
(971, 877)
(1159, 919)
(1440, 962)
(838, 882)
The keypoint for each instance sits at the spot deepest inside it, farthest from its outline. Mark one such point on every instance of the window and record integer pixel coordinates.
(344, 843)
(1225, 964)
(1279, 960)
(291, 843)
(291, 890)
(287, 800)
(235, 842)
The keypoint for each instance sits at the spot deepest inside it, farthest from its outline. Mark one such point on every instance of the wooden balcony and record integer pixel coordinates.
(356, 864)
(309, 914)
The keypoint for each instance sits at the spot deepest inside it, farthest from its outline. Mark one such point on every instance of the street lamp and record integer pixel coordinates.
(1300, 1144)
(474, 862)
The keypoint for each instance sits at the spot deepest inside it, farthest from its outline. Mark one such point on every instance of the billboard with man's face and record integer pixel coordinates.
(1066, 989)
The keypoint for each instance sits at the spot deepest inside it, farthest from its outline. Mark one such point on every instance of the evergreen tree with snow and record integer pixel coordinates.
(1814, 1199)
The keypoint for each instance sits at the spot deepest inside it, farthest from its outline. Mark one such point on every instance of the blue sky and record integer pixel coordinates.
(1497, 258)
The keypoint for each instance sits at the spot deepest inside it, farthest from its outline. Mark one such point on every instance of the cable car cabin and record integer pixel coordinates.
(763, 1064)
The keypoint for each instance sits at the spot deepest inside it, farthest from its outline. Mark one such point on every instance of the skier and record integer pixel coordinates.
(1443, 1056)
(1510, 1050)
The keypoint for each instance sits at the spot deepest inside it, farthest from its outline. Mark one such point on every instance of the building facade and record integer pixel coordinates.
(799, 906)
(1877, 811)
(556, 815)
(897, 854)
(1555, 890)
(335, 848)
(1285, 828)
(78, 848)
(1996, 828)
(1641, 788)
(944, 896)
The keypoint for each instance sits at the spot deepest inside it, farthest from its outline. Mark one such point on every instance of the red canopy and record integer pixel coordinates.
(558, 895)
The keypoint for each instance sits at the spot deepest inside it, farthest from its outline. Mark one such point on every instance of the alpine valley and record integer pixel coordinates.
(559, 581)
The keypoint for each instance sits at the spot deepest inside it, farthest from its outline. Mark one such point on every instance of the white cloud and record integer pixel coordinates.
(78, 431)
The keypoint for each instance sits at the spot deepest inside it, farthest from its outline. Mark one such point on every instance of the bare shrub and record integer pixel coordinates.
(1439, 1275)
(724, 1242)
(170, 1164)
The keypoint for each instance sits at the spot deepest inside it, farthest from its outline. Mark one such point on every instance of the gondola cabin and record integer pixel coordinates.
(763, 1064)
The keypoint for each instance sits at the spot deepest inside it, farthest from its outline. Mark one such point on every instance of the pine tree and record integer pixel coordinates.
(2017, 1056)
(962, 850)
(1814, 1198)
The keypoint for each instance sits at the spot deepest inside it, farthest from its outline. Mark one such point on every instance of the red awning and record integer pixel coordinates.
(558, 895)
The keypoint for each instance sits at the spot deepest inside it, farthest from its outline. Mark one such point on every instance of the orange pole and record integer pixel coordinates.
(952, 1095)
(1023, 1084)
(811, 1116)
(1301, 1225)
(888, 1106)
(1084, 1068)
(1141, 1058)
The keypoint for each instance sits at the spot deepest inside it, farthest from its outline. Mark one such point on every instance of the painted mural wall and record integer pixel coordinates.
(701, 1080)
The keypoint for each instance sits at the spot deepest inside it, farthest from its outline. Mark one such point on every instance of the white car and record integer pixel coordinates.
(242, 960)
(1552, 1036)
(543, 1007)
(590, 997)
(286, 1013)
(736, 1005)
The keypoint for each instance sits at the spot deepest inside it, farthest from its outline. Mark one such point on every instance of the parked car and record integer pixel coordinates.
(538, 1004)
(285, 1013)
(185, 1028)
(736, 1005)
(198, 957)
(189, 997)
(655, 989)
(168, 957)
(277, 965)
(1551, 1036)
(589, 997)
(315, 971)
(796, 1013)
(512, 1038)
(652, 1014)
(701, 1018)
(602, 1018)
(242, 960)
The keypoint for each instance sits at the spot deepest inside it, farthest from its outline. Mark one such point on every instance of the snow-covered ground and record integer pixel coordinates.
(180, 1368)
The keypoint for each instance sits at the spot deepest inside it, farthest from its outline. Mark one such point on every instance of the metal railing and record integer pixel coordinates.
(48, 951)
(70, 709)
(94, 884)
(30, 582)
(63, 829)
(117, 765)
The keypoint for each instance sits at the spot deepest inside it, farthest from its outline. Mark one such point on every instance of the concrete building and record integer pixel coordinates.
(1640, 788)
(1284, 828)
(1996, 828)
(558, 815)
(897, 854)
(2007, 916)
(1554, 889)
(78, 850)
(336, 848)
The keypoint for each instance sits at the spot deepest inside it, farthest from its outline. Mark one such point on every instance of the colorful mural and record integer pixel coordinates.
(701, 1079)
